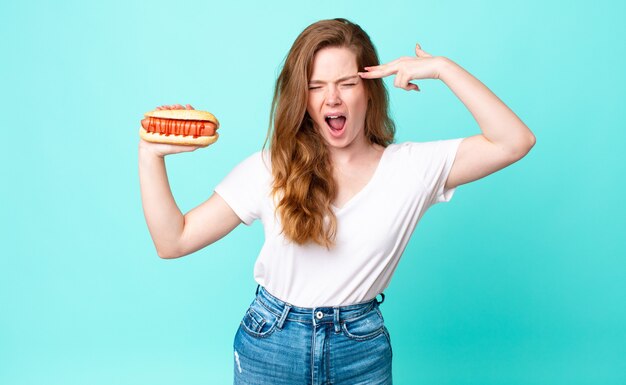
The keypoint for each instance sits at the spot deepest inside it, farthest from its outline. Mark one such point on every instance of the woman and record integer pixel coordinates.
(338, 201)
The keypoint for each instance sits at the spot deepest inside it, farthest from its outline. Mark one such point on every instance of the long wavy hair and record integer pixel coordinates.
(303, 184)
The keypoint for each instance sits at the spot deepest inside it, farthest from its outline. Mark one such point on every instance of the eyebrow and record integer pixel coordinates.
(338, 80)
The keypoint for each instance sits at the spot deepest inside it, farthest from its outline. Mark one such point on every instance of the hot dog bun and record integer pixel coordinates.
(182, 127)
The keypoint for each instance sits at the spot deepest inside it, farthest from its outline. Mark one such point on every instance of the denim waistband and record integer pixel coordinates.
(318, 315)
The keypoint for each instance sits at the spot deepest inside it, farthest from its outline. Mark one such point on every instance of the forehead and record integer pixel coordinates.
(332, 63)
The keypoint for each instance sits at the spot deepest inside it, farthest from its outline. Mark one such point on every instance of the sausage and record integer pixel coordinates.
(168, 127)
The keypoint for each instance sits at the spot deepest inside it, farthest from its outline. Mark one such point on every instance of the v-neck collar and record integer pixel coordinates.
(356, 196)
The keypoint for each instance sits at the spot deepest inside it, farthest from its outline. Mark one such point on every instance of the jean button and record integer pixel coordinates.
(319, 315)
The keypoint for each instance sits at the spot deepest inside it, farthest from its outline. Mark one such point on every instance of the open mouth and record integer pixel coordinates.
(336, 123)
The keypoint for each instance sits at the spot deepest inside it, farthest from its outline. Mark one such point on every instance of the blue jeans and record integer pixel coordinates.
(278, 343)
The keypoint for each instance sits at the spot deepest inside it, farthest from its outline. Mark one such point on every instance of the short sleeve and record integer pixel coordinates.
(244, 187)
(433, 161)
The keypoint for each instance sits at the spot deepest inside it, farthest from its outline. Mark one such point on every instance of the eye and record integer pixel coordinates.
(314, 88)
(350, 84)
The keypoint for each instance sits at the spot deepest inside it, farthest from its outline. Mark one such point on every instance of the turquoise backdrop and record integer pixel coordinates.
(519, 280)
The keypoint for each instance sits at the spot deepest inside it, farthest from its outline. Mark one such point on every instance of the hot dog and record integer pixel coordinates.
(182, 127)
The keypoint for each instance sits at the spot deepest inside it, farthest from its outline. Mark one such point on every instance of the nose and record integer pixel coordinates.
(332, 96)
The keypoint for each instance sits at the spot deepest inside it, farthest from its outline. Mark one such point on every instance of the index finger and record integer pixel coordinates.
(375, 72)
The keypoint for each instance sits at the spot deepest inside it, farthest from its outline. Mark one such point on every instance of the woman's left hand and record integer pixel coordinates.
(407, 68)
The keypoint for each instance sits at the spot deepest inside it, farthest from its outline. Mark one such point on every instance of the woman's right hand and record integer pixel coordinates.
(173, 233)
(162, 149)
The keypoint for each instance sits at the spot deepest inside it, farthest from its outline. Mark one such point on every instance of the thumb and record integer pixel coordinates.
(421, 53)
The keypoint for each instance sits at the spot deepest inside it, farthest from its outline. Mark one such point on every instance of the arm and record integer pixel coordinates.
(174, 234)
(505, 138)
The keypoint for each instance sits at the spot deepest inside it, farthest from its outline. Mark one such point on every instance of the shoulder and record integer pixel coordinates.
(256, 162)
(426, 146)
(422, 150)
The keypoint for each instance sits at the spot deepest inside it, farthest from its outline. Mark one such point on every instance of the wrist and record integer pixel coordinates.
(444, 65)
(146, 150)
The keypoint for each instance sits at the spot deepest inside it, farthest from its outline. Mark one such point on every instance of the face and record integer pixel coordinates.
(337, 98)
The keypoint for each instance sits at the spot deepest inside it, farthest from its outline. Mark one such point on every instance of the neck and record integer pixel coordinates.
(352, 154)
(346, 155)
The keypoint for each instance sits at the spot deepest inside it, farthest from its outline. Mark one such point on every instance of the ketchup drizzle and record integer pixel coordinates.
(169, 127)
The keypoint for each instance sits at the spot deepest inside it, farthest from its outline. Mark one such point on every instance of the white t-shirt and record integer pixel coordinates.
(373, 228)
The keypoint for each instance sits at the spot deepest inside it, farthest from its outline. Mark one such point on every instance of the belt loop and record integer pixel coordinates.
(257, 289)
(336, 320)
(283, 316)
(382, 300)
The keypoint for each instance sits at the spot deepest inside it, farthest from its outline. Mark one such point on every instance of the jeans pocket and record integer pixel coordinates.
(258, 321)
(365, 326)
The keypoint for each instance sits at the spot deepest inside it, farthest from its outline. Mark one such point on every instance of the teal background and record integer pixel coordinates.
(520, 279)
